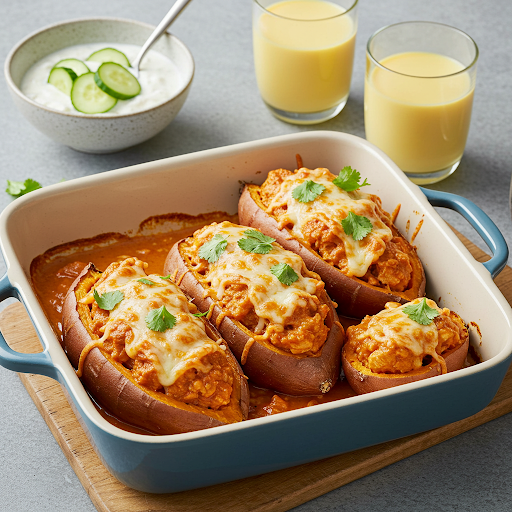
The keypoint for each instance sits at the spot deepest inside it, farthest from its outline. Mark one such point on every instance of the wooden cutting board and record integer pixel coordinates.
(277, 491)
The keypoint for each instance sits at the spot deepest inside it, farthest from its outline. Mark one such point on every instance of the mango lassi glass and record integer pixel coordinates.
(303, 56)
(420, 80)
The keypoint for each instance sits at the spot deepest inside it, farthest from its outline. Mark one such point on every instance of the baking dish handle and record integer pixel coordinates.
(480, 221)
(40, 363)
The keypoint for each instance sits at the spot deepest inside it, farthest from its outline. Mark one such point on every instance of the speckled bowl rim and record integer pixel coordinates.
(16, 89)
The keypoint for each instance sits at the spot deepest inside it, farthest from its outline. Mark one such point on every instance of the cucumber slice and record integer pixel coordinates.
(117, 81)
(76, 65)
(110, 55)
(63, 79)
(88, 98)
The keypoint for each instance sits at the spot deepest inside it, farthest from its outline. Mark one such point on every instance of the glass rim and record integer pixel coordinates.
(257, 2)
(461, 32)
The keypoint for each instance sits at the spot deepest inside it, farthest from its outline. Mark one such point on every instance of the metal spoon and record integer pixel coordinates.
(173, 13)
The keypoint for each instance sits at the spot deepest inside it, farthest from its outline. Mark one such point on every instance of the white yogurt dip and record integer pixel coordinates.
(159, 79)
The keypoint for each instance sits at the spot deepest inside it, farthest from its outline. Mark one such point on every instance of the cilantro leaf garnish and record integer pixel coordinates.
(165, 277)
(211, 251)
(348, 179)
(307, 191)
(256, 242)
(421, 312)
(201, 314)
(20, 188)
(146, 281)
(356, 225)
(160, 319)
(109, 300)
(284, 273)
(258, 235)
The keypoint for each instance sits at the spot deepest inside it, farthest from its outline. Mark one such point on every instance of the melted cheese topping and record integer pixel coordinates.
(271, 299)
(330, 207)
(394, 326)
(175, 350)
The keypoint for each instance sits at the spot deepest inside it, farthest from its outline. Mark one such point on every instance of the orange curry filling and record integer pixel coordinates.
(389, 354)
(210, 387)
(392, 270)
(304, 332)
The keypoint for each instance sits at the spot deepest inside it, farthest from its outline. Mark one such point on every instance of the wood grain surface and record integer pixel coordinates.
(277, 491)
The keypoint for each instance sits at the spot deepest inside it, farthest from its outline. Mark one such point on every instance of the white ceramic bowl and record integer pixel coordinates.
(89, 133)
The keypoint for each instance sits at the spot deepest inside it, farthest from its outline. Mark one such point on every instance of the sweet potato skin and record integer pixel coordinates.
(355, 297)
(108, 382)
(267, 366)
(366, 381)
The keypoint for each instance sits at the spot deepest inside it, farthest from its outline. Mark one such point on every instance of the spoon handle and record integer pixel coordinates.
(173, 13)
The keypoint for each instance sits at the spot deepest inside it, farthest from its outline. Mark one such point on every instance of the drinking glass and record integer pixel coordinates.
(419, 85)
(303, 56)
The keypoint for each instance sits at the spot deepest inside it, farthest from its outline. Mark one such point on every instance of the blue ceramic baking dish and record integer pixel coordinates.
(209, 181)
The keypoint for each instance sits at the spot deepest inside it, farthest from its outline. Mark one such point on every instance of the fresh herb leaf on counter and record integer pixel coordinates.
(256, 242)
(20, 188)
(284, 273)
(307, 191)
(212, 250)
(356, 225)
(348, 179)
(421, 312)
(146, 281)
(108, 300)
(160, 319)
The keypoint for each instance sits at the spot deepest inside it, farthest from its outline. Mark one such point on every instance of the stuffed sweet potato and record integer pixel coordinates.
(343, 235)
(402, 344)
(272, 311)
(143, 355)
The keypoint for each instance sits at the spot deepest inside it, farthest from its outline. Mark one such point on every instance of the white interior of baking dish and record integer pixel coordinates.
(118, 201)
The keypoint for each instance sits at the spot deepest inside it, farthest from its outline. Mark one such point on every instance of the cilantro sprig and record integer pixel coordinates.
(20, 188)
(356, 225)
(284, 273)
(421, 312)
(256, 242)
(160, 319)
(307, 191)
(146, 281)
(348, 179)
(109, 300)
(211, 251)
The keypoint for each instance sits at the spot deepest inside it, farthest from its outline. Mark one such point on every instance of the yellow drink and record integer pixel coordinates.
(303, 55)
(419, 114)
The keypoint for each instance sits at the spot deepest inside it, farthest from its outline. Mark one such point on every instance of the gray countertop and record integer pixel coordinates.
(469, 472)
